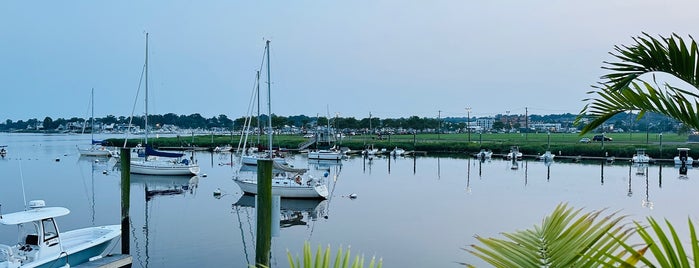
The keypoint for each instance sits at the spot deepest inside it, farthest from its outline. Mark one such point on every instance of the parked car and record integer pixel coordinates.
(600, 137)
(585, 140)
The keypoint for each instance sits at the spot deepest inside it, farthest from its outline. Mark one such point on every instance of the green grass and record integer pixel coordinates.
(623, 144)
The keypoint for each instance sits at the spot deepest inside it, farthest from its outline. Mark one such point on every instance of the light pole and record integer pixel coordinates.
(508, 120)
(468, 125)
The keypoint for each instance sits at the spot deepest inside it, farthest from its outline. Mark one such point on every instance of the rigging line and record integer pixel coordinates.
(242, 234)
(135, 101)
(21, 176)
(86, 113)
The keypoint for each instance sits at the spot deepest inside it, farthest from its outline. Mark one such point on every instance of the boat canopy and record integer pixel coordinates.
(31, 215)
(153, 152)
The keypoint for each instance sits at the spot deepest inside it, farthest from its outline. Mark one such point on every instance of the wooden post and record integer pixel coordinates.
(264, 212)
(125, 156)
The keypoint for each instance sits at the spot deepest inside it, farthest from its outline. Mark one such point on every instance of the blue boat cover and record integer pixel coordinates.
(153, 152)
(99, 142)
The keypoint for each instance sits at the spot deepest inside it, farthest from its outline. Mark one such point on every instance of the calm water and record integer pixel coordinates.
(412, 212)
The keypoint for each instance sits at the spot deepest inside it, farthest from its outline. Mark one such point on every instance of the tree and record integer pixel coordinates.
(48, 123)
(625, 88)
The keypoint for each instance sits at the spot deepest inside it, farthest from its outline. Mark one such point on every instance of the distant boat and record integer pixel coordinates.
(331, 154)
(683, 155)
(156, 162)
(97, 147)
(484, 154)
(514, 153)
(224, 148)
(42, 245)
(547, 156)
(3, 150)
(397, 152)
(640, 156)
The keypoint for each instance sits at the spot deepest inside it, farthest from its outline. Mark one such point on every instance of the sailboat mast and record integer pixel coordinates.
(259, 128)
(92, 115)
(146, 125)
(269, 102)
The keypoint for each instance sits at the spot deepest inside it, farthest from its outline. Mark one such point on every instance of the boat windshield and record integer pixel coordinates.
(50, 231)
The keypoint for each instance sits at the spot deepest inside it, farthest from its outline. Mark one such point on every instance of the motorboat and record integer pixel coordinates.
(683, 155)
(641, 157)
(484, 154)
(547, 156)
(331, 154)
(3, 150)
(41, 244)
(514, 153)
(224, 148)
(397, 152)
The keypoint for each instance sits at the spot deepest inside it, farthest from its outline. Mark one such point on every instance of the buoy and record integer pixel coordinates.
(58, 159)
(104, 172)
(353, 196)
(217, 192)
(97, 160)
(203, 175)
(325, 174)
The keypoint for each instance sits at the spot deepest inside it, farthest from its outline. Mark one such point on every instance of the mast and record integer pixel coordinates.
(259, 128)
(92, 103)
(269, 102)
(146, 125)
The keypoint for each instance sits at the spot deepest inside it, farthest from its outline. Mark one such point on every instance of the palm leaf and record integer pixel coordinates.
(566, 238)
(619, 90)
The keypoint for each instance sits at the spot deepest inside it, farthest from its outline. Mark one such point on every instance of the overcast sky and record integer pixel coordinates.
(391, 58)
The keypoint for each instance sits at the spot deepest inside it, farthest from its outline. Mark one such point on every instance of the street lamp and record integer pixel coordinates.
(468, 125)
(508, 120)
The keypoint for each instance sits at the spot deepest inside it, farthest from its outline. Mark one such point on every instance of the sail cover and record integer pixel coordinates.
(153, 152)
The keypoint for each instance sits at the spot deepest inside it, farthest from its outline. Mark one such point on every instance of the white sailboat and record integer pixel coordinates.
(97, 147)
(156, 162)
(41, 244)
(286, 182)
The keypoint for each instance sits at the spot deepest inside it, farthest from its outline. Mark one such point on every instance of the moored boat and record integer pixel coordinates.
(41, 244)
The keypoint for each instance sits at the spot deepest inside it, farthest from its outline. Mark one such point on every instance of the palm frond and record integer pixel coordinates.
(565, 238)
(666, 247)
(619, 91)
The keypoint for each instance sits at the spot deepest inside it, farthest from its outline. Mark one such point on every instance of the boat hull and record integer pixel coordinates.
(320, 155)
(163, 168)
(289, 190)
(251, 160)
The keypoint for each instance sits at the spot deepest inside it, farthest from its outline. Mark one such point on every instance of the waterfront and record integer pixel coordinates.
(427, 208)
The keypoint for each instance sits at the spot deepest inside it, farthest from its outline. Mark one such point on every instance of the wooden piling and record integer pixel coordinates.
(125, 156)
(264, 212)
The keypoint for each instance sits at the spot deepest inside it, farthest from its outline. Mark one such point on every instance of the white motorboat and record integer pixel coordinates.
(251, 159)
(3, 150)
(547, 156)
(42, 245)
(514, 153)
(484, 154)
(683, 155)
(157, 162)
(224, 148)
(325, 155)
(640, 156)
(397, 152)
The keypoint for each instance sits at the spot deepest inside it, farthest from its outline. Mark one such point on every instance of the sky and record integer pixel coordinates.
(348, 58)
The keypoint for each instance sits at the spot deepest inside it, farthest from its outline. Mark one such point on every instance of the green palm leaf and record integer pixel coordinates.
(623, 90)
(564, 239)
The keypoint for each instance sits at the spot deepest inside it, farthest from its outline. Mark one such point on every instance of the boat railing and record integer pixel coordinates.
(6, 253)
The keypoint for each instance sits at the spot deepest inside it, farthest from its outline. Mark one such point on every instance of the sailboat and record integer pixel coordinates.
(97, 146)
(250, 155)
(287, 182)
(161, 163)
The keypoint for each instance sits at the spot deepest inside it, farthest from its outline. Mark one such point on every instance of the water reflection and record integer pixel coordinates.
(155, 187)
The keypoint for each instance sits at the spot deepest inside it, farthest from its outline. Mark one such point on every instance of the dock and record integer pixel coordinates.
(110, 261)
